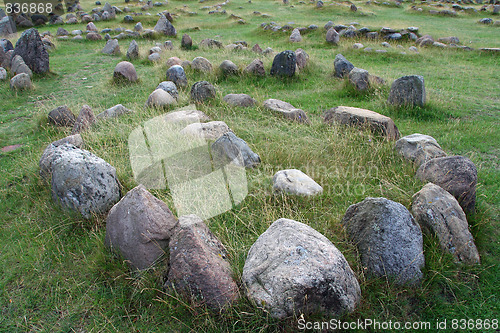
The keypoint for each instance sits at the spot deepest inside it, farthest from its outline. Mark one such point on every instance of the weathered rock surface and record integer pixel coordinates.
(256, 67)
(51, 153)
(455, 174)
(342, 66)
(293, 269)
(114, 112)
(284, 64)
(169, 87)
(139, 228)
(408, 91)
(286, 109)
(209, 131)
(229, 148)
(346, 115)
(186, 116)
(418, 148)
(198, 266)
(439, 212)
(133, 50)
(21, 82)
(177, 75)
(186, 42)
(295, 37)
(83, 182)
(302, 58)
(85, 119)
(293, 181)
(62, 116)
(388, 238)
(125, 71)
(332, 36)
(202, 91)
(359, 78)
(31, 48)
(201, 64)
(160, 99)
(227, 67)
(165, 27)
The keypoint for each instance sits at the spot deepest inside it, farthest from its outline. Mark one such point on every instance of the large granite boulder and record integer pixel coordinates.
(438, 211)
(292, 269)
(83, 182)
(139, 228)
(51, 153)
(388, 239)
(31, 48)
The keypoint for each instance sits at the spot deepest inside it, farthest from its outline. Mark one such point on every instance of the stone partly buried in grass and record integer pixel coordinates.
(198, 266)
(293, 181)
(228, 148)
(84, 120)
(160, 99)
(202, 91)
(418, 148)
(456, 174)
(125, 72)
(62, 116)
(287, 110)
(139, 228)
(284, 64)
(378, 123)
(388, 239)
(408, 91)
(83, 182)
(438, 211)
(292, 269)
(31, 48)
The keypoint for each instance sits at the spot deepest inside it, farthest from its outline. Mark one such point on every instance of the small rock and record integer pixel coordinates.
(186, 116)
(172, 61)
(438, 211)
(186, 42)
(256, 67)
(91, 27)
(228, 148)
(139, 228)
(133, 50)
(227, 67)
(295, 37)
(114, 112)
(295, 182)
(242, 100)
(360, 79)
(418, 148)
(85, 119)
(358, 46)
(169, 87)
(201, 64)
(177, 75)
(111, 47)
(342, 66)
(286, 109)
(256, 48)
(21, 82)
(388, 239)
(62, 116)
(456, 174)
(93, 36)
(3, 74)
(160, 99)
(165, 27)
(202, 91)
(332, 36)
(302, 58)
(346, 115)
(125, 71)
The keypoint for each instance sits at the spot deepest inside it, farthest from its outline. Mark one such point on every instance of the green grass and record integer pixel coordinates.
(57, 276)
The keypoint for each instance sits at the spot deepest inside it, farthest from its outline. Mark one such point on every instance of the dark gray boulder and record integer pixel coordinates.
(284, 64)
(30, 47)
(133, 50)
(418, 148)
(456, 174)
(342, 66)
(408, 91)
(186, 42)
(169, 87)
(202, 91)
(177, 75)
(85, 119)
(139, 228)
(229, 148)
(359, 78)
(62, 116)
(165, 27)
(388, 239)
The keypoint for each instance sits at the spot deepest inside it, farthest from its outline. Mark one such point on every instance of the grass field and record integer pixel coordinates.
(57, 276)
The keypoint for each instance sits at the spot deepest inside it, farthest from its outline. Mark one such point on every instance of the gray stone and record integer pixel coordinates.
(189, 116)
(295, 37)
(342, 66)
(198, 265)
(388, 239)
(329, 25)
(229, 148)
(139, 228)
(418, 148)
(3, 73)
(83, 182)
(302, 58)
(332, 36)
(293, 181)
(256, 67)
(138, 27)
(172, 61)
(360, 79)
(208, 131)
(201, 64)
(438, 211)
(177, 75)
(21, 82)
(31, 48)
(51, 153)
(154, 57)
(284, 64)
(91, 27)
(160, 99)
(456, 174)
(125, 71)
(85, 119)
(256, 48)
(62, 116)
(18, 66)
(362, 118)
(449, 40)
(7, 27)
(114, 112)
(211, 43)
(169, 87)
(186, 42)
(111, 47)
(287, 110)
(242, 100)
(202, 91)
(408, 91)
(93, 36)
(133, 50)
(62, 32)
(292, 269)
(227, 67)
